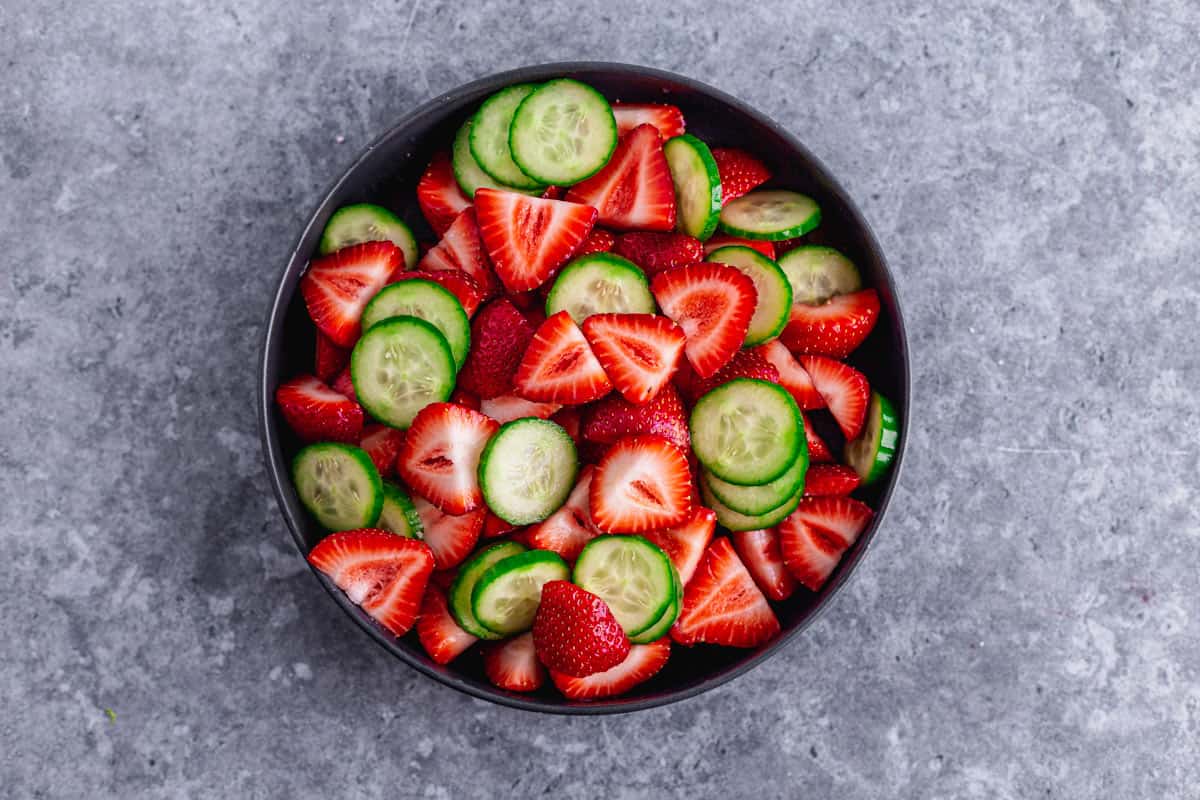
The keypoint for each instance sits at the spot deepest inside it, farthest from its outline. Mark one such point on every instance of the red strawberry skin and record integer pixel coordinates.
(575, 632)
(598, 241)
(759, 551)
(383, 445)
(634, 190)
(513, 665)
(844, 389)
(685, 544)
(723, 605)
(459, 284)
(450, 538)
(465, 398)
(740, 172)
(500, 334)
(643, 663)
(725, 240)
(614, 418)
(817, 534)
(818, 451)
(745, 364)
(461, 250)
(559, 366)
(667, 119)
(657, 252)
(508, 407)
(529, 238)
(639, 352)
(792, 376)
(569, 528)
(438, 194)
(317, 413)
(830, 480)
(338, 286)
(713, 303)
(643, 483)
(440, 457)
(344, 385)
(835, 328)
(437, 631)
(329, 359)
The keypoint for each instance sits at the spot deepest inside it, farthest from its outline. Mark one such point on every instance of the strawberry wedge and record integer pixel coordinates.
(818, 533)
(559, 366)
(791, 375)
(529, 238)
(723, 605)
(642, 483)
(338, 286)
(713, 304)
(666, 118)
(643, 663)
(569, 528)
(639, 352)
(451, 538)
(685, 544)
(318, 413)
(634, 190)
(759, 551)
(440, 457)
(834, 328)
(461, 250)
(437, 631)
(438, 194)
(513, 665)
(844, 389)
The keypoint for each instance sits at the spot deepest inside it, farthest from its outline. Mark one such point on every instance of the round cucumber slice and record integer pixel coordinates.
(872, 452)
(400, 366)
(562, 133)
(527, 470)
(507, 596)
(774, 291)
(771, 215)
(468, 173)
(464, 585)
(489, 137)
(697, 185)
(365, 222)
(744, 522)
(600, 283)
(754, 500)
(747, 431)
(424, 300)
(817, 273)
(663, 626)
(339, 485)
(399, 515)
(629, 573)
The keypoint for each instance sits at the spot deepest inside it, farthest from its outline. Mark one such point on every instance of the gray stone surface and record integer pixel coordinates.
(1027, 624)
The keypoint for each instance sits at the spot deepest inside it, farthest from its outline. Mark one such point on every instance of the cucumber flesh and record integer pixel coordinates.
(425, 300)
(873, 451)
(339, 485)
(600, 283)
(697, 185)
(562, 133)
(527, 470)
(507, 596)
(365, 222)
(663, 626)
(464, 586)
(774, 304)
(468, 173)
(817, 273)
(632, 575)
(399, 515)
(488, 137)
(771, 215)
(747, 431)
(754, 500)
(744, 522)
(400, 366)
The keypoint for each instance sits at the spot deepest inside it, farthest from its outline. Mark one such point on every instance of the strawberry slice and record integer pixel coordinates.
(383, 573)
(713, 304)
(529, 238)
(494, 527)
(383, 445)
(439, 634)
(329, 359)
(634, 190)
(450, 538)
(318, 413)
(818, 533)
(844, 389)
(337, 287)
(643, 483)
(575, 631)
(643, 663)
(639, 352)
(830, 480)
(344, 385)
(722, 604)
(569, 528)
(791, 375)
(559, 366)
(461, 250)
(667, 119)
(598, 241)
(685, 544)
(614, 418)
(508, 407)
(513, 665)
(459, 284)
(834, 328)
(659, 252)
(725, 240)
(744, 364)
(571, 420)
(440, 458)
(500, 335)
(818, 451)
(439, 195)
(759, 551)
(740, 172)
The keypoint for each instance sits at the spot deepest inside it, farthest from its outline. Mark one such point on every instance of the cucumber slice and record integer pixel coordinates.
(817, 273)
(399, 515)
(747, 431)
(660, 628)
(507, 596)
(600, 283)
(468, 173)
(339, 485)
(400, 366)
(365, 222)
(562, 133)
(743, 522)
(697, 185)
(770, 214)
(629, 573)
(424, 300)
(464, 585)
(873, 451)
(527, 470)
(489, 137)
(754, 500)
(774, 290)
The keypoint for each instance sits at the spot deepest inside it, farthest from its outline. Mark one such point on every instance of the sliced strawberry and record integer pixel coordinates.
(845, 390)
(659, 252)
(830, 480)
(633, 191)
(569, 528)
(639, 352)
(740, 172)
(383, 445)
(725, 240)
(383, 573)
(818, 533)
(667, 119)
(495, 527)
(834, 328)
(461, 250)
(598, 241)
(713, 304)
(439, 195)
(643, 483)
(450, 538)
(842, 517)
(575, 631)
(818, 451)
(513, 665)
(439, 634)
(614, 418)
(459, 284)
(528, 238)
(643, 663)
(792, 376)
(559, 366)
(337, 287)
(465, 398)
(685, 543)
(759, 551)
(722, 604)
(318, 413)
(508, 407)
(500, 335)
(440, 458)
(344, 385)
(744, 364)
(570, 418)
(329, 359)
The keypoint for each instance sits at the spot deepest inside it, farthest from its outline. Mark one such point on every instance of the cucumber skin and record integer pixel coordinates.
(714, 179)
(807, 226)
(608, 260)
(797, 488)
(882, 461)
(529, 183)
(520, 560)
(366, 404)
(578, 579)
(660, 628)
(489, 497)
(464, 323)
(734, 521)
(357, 454)
(773, 268)
(393, 493)
(512, 130)
(466, 573)
(798, 425)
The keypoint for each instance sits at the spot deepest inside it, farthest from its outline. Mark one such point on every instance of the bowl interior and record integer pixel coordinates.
(387, 174)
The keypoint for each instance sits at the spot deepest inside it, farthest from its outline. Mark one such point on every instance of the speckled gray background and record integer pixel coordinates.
(1027, 623)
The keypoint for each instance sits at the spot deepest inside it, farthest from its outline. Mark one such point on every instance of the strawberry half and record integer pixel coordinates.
(317, 413)
(440, 458)
(508, 407)
(383, 573)
(685, 544)
(337, 287)
(575, 632)
(740, 172)
(834, 328)
(658, 252)
(383, 445)
(634, 190)
(559, 366)
(818, 451)
(513, 665)
(639, 352)
(817, 534)
(451, 538)
(744, 364)
(792, 376)
(844, 389)
(723, 605)
(569, 528)
(614, 418)
(528, 238)
(830, 480)
(499, 336)
(759, 551)
(643, 483)
(439, 195)
(598, 241)
(643, 663)
(713, 304)
(461, 250)
(725, 240)
(439, 634)
(666, 118)
(329, 359)
(460, 284)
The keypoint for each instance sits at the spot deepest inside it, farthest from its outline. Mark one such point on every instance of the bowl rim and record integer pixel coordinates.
(277, 466)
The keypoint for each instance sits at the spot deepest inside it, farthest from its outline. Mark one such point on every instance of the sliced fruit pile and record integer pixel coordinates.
(581, 429)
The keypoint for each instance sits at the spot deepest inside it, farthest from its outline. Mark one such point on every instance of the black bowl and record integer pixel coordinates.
(387, 172)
